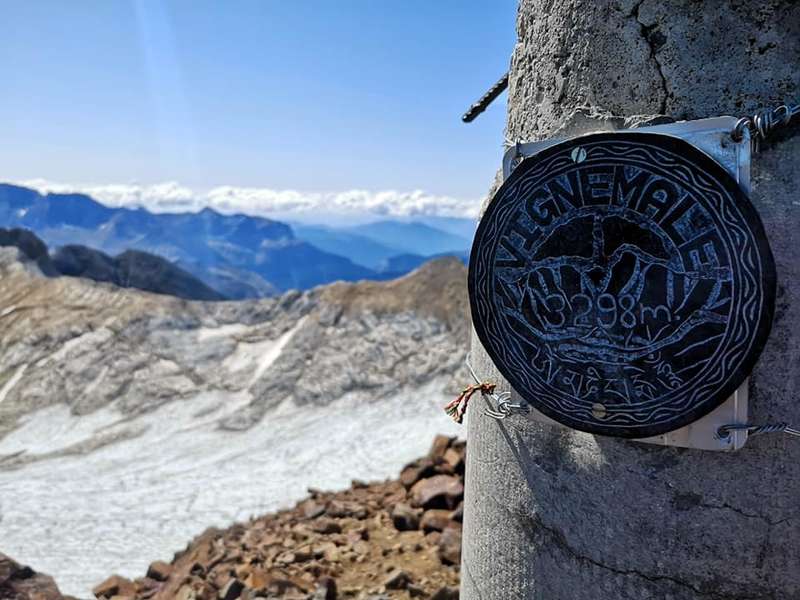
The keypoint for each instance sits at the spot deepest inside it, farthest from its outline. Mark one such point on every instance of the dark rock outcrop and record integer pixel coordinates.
(18, 582)
(132, 268)
(31, 246)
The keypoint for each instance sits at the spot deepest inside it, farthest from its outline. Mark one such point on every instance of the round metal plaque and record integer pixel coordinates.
(622, 283)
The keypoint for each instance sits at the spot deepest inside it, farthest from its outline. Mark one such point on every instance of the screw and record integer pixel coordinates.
(578, 155)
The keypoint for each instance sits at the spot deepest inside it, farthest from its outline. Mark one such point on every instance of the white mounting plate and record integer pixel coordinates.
(712, 136)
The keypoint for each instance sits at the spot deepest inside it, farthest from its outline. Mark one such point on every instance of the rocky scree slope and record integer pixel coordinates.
(398, 539)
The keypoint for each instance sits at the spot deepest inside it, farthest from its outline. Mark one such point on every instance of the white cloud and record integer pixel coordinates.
(173, 197)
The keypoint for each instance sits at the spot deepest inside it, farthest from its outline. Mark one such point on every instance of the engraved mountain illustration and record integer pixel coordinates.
(608, 287)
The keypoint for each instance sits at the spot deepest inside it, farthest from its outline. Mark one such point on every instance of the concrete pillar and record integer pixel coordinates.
(557, 514)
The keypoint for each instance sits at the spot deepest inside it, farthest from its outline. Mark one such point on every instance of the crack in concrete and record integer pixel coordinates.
(534, 523)
(558, 537)
(739, 511)
(648, 34)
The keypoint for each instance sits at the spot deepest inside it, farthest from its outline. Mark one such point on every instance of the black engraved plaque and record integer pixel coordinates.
(622, 283)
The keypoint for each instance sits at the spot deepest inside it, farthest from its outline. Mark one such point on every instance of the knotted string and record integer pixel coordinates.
(458, 407)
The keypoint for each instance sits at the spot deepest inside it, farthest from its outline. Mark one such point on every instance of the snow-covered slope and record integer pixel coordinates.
(130, 422)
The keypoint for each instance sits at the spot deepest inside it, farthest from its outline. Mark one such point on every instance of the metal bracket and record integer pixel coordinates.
(714, 137)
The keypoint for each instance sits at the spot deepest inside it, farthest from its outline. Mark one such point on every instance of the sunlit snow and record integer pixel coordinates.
(123, 505)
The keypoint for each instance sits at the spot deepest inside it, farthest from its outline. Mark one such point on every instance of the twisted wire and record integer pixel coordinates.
(725, 430)
(764, 123)
(502, 407)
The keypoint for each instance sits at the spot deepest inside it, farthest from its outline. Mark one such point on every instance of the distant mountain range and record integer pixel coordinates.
(374, 244)
(238, 256)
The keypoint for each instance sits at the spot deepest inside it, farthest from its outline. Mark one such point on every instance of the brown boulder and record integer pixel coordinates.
(449, 546)
(404, 517)
(159, 570)
(340, 509)
(257, 579)
(439, 491)
(454, 458)
(322, 549)
(440, 445)
(295, 556)
(435, 519)
(312, 509)
(415, 471)
(393, 496)
(115, 586)
(433, 538)
(326, 526)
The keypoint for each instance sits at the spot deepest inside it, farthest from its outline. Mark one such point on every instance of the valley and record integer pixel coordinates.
(131, 421)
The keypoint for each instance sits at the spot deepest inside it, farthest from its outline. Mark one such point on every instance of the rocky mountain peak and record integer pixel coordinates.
(436, 289)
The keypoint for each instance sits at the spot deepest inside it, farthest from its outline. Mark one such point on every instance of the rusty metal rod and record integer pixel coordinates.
(485, 100)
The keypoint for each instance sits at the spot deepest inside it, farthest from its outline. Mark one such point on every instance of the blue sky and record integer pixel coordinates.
(314, 97)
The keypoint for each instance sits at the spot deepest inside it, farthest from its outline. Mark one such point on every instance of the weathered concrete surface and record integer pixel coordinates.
(555, 514)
